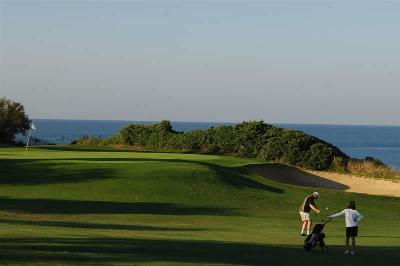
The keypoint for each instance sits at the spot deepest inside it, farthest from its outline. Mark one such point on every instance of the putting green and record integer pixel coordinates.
(82, 205)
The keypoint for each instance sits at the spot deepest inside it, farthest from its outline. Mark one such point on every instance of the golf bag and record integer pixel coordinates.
(316, 237)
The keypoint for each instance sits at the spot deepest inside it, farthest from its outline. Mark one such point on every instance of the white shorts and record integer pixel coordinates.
(305, 216)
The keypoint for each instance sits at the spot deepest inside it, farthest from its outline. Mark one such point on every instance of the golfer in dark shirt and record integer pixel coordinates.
(305, 209)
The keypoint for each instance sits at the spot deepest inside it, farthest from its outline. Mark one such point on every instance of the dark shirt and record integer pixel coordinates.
(306, 204)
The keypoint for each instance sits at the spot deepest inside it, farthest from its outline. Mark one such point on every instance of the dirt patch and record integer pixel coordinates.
(294, 176)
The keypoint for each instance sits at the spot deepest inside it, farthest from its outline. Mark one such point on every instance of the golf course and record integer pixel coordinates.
(99, 205)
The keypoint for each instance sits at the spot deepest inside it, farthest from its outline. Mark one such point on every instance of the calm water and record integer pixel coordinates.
(382, 142)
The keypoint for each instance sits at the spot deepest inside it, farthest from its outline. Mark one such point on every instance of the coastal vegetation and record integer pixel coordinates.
(254, 139)
(372, 167)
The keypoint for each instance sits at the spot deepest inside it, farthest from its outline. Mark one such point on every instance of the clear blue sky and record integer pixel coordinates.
(293, 62)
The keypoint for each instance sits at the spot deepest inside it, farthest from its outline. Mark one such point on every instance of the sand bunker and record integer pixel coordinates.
(294, 176)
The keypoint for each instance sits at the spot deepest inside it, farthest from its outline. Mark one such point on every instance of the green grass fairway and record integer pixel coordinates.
(68, 205)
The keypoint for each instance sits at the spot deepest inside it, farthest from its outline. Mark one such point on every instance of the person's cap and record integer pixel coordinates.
(315, 194)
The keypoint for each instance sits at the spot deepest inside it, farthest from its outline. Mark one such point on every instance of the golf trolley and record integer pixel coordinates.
(316, 237)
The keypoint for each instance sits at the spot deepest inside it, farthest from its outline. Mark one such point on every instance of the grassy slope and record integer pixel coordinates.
(61, 205)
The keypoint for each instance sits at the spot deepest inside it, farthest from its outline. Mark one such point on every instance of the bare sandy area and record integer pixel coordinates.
(292, 175)
(363, 184)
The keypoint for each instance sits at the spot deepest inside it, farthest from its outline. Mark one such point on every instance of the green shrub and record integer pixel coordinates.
(318, 157)
(254, 139)
(221, 139)
(273, 149)
(248, 136)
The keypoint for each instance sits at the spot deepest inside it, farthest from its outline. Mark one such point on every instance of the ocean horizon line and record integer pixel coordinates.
(219, 122)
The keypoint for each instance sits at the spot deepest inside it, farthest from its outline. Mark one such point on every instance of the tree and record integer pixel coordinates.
(13, 120)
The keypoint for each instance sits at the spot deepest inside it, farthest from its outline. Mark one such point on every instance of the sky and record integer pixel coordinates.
(315, 62)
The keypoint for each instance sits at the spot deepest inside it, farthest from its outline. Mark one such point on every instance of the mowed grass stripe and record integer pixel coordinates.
(62, 205)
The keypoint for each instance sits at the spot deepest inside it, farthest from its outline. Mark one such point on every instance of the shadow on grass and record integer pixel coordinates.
(5, 145)
(67, 224)
(53, 206)
(78, 148)
(50, 171)
(86, 148)
(43, 171)
(367, 236)
(127, 250)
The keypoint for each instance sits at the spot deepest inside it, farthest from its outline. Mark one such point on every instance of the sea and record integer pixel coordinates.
(382, 142)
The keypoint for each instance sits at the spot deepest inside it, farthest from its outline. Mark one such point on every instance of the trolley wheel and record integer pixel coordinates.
(307, 246)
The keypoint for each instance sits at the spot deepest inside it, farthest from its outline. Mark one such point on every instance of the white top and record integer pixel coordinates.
(351, 216)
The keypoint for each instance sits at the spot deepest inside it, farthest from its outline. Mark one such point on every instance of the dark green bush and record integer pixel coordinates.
(221, 139)
(13, 120)
(273, 149)
(318, 157)
(248, 136)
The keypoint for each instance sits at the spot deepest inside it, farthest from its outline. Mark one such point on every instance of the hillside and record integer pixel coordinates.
(65, 205)
(253, 139)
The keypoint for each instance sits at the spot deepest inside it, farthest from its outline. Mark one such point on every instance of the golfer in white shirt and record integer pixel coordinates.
(352, 217)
